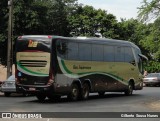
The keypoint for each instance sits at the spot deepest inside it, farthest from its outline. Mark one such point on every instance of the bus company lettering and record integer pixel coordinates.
(81, 67)
(32, 43)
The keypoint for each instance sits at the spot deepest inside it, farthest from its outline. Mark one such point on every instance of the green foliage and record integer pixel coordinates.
(62, 17)
(152, 66)
(151, 40)
(149, 10)
(86, 21)
(34, 17)
(40, 17)
(3, 30)
(3, 20)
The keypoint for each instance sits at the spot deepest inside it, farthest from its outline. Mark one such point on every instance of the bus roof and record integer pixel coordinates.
(104, 41)
(86, 39)
(40, 36)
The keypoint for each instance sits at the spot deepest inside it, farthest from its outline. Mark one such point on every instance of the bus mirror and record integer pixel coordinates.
(143, 57)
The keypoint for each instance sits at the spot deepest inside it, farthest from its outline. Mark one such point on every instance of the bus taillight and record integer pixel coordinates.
(51, 79)
(16, 77)
(20, 37)
(50, 82)
(49, 37)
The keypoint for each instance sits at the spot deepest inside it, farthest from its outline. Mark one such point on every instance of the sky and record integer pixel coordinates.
(119, 8)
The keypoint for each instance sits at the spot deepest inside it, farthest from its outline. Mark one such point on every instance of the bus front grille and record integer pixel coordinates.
(33, 63)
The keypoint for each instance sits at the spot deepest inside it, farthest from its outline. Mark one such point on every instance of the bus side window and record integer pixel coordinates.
(119, 54)
(62, 48)
(97, 52)
(109, 53)
(129, 57)
(73, 51)
(84, 52)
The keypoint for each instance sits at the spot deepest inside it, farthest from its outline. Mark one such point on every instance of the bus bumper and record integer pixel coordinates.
(139, 86)
(35, 89)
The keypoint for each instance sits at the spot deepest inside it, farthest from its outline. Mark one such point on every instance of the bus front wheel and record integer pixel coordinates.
(129, 91)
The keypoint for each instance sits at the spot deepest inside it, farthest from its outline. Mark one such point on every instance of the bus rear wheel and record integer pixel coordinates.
(129, 91)
(85, 91)
(74, 95)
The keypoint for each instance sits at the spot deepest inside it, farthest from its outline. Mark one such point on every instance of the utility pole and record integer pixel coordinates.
(9, 48)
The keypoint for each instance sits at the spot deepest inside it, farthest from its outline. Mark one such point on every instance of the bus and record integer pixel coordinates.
(54, 66)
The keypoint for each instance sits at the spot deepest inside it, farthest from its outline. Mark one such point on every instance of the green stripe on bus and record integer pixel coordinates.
(65, 68)
(84, 73)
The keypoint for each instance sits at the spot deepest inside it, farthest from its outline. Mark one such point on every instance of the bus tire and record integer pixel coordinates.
(129, 91)
(41, 97)
(85, 91)
(75, 92)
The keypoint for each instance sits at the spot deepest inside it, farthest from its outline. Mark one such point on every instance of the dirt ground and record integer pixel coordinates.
(3, 72)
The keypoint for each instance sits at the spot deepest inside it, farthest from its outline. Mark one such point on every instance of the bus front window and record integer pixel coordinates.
(140, 66)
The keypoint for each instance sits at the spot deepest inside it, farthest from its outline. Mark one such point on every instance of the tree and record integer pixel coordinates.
(3, 31)
(82, 21)
(3, 20)
(151, 41)
(34, 17)
(61, 17)
(86, 21)
(131, 30)
(41, 17)
(149, 10)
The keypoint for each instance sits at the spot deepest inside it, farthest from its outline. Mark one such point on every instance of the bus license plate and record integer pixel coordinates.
(32, 89)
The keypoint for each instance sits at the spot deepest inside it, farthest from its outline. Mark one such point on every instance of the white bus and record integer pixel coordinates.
(53, 66)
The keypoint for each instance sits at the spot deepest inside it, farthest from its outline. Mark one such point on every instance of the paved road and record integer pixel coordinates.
(147, 100)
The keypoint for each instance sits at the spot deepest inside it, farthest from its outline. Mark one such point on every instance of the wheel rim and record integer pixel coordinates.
(85, 91)
(75, 92)
(130, 89)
